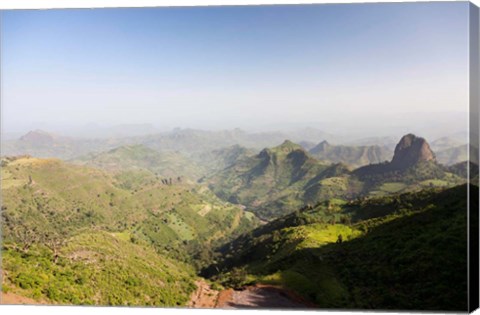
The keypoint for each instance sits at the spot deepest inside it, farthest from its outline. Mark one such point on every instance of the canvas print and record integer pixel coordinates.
(319, 156)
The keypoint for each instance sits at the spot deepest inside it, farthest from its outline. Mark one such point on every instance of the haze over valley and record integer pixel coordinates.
(300, 156)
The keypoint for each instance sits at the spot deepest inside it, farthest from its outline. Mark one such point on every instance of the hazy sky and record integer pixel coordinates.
(220, 67)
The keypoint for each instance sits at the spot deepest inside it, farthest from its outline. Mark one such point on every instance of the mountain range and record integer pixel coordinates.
(139, 220)
(198, 143)
(280, 179)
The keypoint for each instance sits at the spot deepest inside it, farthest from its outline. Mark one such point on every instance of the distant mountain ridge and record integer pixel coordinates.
(191, 142)
(352, 155)
(453, 155)
(38, 136)
(197, 143)
(43, 144)
(279, 179)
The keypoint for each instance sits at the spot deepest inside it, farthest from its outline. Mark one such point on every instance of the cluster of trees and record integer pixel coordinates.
(170, 181)
(26, 236)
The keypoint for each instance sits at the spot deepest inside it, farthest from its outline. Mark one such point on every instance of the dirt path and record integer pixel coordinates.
(257, 296)
(261, 296)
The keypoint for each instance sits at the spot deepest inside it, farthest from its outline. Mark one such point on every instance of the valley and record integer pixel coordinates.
(177, 221)
(314, 156)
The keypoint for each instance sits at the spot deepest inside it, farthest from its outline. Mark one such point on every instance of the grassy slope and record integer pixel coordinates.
(381, 180)
(270, 183)
(403, 252)
(59, 201)
(139, 157)
(98, 268)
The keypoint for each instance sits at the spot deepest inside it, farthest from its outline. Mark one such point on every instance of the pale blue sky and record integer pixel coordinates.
(220, 67)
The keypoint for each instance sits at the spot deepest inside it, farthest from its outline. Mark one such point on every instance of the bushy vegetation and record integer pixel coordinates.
(412, 261)
(55, 212)
(98, 268)
(400, 252)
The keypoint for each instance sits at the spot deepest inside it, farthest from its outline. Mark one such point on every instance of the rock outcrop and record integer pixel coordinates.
(410, 151)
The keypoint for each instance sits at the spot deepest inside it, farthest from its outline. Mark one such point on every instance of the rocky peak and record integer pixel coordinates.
(321, 147)
(411, 150)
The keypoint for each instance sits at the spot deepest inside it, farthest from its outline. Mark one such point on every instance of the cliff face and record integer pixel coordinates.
(411, 150)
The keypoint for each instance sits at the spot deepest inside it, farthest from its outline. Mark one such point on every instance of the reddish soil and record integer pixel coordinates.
(264, 296)
(224, 298)
(12, 298)
(204, 296)
(258, 296)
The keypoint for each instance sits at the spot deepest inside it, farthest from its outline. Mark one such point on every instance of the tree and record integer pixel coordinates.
(54, 241)
(238, 276)
(26, 236)
(345, 220)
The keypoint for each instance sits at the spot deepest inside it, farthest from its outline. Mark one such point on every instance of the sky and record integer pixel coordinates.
(227, 67)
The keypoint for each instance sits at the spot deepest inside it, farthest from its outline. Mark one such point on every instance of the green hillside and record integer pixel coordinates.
(270, 183)
(140, 158)
(97, 268)
(49, 204)
(401, 252)
(382, 179)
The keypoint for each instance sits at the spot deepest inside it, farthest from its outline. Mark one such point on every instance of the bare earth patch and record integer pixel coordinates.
(257, 296)
(14, 299)
(204, 296)
(264, 297)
